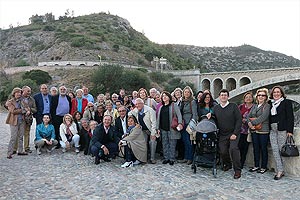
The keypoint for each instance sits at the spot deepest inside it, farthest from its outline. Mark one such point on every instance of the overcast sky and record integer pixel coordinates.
(267, 24)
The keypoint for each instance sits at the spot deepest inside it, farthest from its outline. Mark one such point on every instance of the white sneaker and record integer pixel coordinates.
(38, 151)
(127, 164)
(137, 162)
(77, 150)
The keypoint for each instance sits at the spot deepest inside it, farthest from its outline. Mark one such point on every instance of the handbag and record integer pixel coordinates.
(258, 126)
(289, 149)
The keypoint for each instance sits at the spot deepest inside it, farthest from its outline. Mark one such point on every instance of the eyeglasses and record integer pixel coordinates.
(261, 95)
(122, 110)
(90, 106)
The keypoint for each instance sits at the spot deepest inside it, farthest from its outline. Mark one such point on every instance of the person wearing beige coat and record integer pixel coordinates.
(147, 119)
(15, 119)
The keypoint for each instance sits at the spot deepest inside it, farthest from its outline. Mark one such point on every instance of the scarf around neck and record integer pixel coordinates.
(275, 104)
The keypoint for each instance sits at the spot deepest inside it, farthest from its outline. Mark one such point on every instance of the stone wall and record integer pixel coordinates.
(291, 165)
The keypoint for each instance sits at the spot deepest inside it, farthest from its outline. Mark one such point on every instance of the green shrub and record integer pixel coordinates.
(48, 28)
(28, 34)
(38, 76)
(21, 63)
(160, 77)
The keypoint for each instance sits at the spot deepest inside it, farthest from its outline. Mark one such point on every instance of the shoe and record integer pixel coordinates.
(106, 159)
(237, 174)
(182, 161)
(64, 150)
(127, 164)
(9, 157)
(254, 169)
(28, 151)
(14, 152)
(278, 176)
(171, 162)
(22, 154)
(262, 170)
(38, 151)
(77, 150)
(137, 162)
(152, 161)
(97, 160)
(165, 162)
(189, 162)
(226, 167)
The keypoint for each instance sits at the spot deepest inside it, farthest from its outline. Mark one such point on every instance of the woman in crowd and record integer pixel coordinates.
(45, 136)
(134, 144)
(69, 134)
(99, 113)
(77, 116)
(71, 95)
(199, 95)
(15, 119)
(188, 111)
(111, 111)
(260, 137)
(100, 100)
(205, 106)
(245, 108)
(178, 95)
(85, 135)
(89, 112)
(127, 103)
(143, 94)
(79, 103)
(282, 125)
(169, 135)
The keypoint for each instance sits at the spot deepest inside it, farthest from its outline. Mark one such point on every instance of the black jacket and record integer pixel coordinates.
(119, 127)
(97, 138)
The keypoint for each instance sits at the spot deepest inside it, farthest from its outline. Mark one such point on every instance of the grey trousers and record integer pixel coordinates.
(42, 143)
(277, 140)
(169, 145)
(16, 136)
(152, 144)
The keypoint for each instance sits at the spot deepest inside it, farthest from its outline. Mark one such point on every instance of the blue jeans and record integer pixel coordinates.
(260, 148)
(188, 147)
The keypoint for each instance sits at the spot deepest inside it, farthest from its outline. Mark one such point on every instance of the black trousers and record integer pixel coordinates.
(243, 146)
(229, 151)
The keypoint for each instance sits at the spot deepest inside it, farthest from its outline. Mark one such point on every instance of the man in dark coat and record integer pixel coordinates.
(104, 144)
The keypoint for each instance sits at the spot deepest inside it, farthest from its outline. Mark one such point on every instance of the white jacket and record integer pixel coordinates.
(63, 131)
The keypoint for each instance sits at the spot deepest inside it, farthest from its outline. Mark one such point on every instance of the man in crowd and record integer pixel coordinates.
(60, 105)
(104, 144)
(229, 122)
(147, 119)
(42, 101)
(86, 94)
(121, 122)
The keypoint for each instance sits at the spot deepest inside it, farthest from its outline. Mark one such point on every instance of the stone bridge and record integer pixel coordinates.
(239, 82)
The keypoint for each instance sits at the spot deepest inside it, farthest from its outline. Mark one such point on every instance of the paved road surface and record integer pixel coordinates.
(71, 176)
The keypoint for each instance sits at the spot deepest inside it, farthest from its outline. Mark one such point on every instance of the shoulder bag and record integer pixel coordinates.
(289, 149)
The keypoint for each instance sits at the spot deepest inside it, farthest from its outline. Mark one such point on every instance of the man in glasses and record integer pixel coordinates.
(121, 122)
(42, 101)
(60, 105)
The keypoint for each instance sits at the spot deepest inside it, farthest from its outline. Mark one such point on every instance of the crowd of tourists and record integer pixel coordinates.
(139, 126)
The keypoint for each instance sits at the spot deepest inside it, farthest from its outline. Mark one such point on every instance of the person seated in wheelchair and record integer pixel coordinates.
(133, 145)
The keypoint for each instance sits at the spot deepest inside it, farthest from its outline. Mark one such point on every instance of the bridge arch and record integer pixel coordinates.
(217, 86)
(244, 80)
(205, 84)
(230, 83)
(286, 79)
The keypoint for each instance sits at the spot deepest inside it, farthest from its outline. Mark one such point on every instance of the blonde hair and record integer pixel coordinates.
(264, 90)
(67, 115)
(14, 91)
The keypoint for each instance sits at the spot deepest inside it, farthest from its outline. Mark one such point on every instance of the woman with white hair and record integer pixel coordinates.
(79, 103)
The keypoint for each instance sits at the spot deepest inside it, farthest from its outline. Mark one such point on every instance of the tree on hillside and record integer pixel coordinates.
(36, 19)
(38, 76)
(113, 77)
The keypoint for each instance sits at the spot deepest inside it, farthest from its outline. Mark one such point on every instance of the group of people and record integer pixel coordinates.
(137, 126)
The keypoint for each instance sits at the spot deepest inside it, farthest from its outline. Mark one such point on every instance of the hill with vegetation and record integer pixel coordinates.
(113, 38)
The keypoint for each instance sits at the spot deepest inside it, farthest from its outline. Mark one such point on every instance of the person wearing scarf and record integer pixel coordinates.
(282, 125)
(69, 134)
(134, 144)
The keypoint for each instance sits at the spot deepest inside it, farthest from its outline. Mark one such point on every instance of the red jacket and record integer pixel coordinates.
(75, 104)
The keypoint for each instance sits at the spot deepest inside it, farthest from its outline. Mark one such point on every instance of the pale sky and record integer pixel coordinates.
(267, 24)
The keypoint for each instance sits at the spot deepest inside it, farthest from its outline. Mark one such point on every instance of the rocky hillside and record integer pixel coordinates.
(113, 38)
(244, 57)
